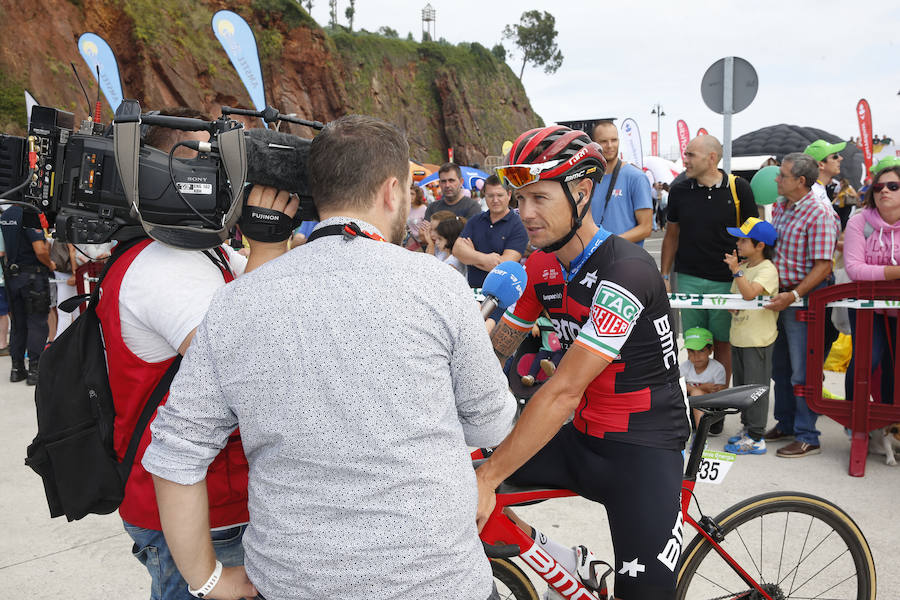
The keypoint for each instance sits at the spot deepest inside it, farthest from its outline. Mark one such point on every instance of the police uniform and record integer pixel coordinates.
(28, 289)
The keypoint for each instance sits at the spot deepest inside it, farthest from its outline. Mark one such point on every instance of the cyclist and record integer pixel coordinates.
(619, 375)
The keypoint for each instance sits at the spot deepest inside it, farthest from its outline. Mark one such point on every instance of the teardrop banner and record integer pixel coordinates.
(683, 137)
(239, 43)
(632, 150)
(702, 131)
(97, 53)
(864, 115)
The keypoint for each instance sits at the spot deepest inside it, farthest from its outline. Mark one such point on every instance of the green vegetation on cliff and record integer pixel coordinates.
(443, 95)
(12, 103)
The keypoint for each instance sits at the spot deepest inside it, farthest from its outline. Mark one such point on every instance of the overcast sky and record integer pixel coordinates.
(814, 59)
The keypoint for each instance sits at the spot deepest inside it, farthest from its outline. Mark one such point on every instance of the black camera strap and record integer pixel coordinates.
(349, 230)
(609, 190)
(266, 225)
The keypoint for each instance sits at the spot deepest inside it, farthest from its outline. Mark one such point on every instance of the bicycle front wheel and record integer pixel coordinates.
(795, 545)
(511, 581)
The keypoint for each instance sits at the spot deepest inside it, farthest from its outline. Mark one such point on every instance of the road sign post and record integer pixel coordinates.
(728, 87)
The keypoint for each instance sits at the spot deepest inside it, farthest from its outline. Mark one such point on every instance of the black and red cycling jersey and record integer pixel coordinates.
(614, 304)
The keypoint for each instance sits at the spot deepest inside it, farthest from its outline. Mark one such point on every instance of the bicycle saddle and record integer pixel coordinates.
(737, 398)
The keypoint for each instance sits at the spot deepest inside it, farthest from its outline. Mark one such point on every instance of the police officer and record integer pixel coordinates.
(28, 285)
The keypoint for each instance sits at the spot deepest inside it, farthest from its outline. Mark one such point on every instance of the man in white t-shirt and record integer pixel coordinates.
(153, 298)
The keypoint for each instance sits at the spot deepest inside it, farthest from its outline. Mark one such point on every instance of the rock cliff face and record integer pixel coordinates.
(443, 96)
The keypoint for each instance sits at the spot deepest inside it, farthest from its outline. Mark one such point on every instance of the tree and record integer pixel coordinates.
(351, 10)
(332, 14)
(309, 5)
(535, 35)
(388, 32)
(499, 52)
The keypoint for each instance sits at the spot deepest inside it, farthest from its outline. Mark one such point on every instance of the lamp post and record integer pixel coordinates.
(658, 111)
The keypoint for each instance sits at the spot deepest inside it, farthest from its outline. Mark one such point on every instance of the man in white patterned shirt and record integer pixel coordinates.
(362, 485)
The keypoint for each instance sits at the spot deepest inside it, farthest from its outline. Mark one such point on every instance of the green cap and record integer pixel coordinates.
(885, 163)
(820, 149)
(697, 338)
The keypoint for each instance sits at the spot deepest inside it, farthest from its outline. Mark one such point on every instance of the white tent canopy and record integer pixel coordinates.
(661, 169)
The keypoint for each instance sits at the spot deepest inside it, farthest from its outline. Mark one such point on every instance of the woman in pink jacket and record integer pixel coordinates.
(872, 253)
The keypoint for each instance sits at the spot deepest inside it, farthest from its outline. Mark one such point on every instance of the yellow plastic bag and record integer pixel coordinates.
(839, 358)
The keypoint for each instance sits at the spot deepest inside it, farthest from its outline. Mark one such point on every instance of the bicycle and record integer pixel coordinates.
(773, 546)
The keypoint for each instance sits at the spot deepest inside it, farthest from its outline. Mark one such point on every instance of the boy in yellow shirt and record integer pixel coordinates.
(753, 332)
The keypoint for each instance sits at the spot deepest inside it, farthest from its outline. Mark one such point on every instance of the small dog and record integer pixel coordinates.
(886, 441)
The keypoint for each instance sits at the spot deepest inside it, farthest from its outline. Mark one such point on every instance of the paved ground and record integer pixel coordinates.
(46, 558)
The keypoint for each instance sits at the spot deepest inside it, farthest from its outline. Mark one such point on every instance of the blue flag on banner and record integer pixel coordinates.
(237, 39)
(96, 52)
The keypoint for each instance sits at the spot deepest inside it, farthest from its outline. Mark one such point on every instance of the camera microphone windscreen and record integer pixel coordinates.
(278, 160)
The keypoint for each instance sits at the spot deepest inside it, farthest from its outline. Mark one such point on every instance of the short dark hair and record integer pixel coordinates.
(604, 122)
(449, 166)
(869, 200)
(163, 138)
(351, 157)
(493, 180)
(449, 229)
(768, 251)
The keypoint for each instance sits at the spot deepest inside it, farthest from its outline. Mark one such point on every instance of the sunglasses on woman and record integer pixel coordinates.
(891, 185)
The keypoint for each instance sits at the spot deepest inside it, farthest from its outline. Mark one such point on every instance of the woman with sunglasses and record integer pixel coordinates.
(872, 253)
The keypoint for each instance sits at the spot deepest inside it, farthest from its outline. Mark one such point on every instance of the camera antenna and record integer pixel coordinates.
(84, 91)
(97, 106)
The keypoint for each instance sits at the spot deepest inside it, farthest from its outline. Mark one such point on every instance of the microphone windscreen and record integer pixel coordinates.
(506, 282)
(278, 160)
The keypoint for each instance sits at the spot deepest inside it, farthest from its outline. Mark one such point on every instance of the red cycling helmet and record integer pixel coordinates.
(554, 153)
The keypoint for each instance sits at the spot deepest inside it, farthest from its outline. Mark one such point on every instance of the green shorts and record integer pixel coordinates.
(718, 321)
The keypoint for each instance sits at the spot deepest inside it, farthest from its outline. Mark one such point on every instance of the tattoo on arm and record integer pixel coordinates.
(506, 340)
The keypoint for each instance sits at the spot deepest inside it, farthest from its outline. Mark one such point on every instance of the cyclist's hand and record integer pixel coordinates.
(233, 585)
(486, 501)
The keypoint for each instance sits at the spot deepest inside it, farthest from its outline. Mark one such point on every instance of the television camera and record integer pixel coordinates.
(101, 183)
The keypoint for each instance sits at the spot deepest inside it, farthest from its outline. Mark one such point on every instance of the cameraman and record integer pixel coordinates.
(28, 269)
(153, 299)
(361, 485)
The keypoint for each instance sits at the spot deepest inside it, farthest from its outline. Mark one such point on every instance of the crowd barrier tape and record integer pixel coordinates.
(737, 302)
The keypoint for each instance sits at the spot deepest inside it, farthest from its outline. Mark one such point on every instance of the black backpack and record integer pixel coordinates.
(73, 449)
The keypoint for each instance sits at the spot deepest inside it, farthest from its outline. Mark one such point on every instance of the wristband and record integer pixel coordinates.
(796, 295)
(210, 583)
(266, 225)
(666, 277)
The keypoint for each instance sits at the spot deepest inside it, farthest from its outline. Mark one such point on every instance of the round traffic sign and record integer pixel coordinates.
(744, 86)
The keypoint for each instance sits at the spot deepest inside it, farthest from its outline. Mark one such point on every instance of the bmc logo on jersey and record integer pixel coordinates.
(614, 310)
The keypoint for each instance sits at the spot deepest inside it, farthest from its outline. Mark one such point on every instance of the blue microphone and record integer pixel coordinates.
(503, 286)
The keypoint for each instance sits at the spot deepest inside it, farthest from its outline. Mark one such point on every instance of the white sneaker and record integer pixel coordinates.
(739, 435)
(747, 445)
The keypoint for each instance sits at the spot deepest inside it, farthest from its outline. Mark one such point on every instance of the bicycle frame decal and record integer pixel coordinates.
(554, 574)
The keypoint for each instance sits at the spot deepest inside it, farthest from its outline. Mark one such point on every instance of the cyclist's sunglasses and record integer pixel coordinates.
(891, 185)
(518, 176)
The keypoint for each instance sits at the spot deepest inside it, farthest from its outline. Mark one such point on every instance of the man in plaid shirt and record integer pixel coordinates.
(807, 235)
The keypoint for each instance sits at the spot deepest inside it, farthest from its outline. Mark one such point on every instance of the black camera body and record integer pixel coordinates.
(101, 184)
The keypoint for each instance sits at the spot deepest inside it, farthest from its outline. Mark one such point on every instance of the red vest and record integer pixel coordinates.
(132, 380)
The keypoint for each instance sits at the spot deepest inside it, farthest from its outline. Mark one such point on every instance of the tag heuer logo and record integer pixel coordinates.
(614, 310)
